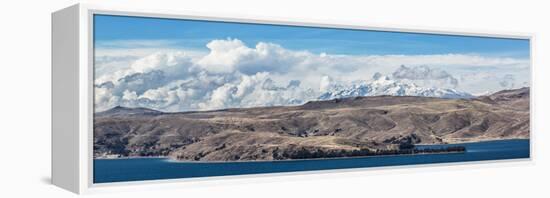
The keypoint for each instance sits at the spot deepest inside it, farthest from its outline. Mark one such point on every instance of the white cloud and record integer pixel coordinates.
(507, 81)
(104, 98)
(325, 84)
(223, 56)
(232, 55)
(129, 95)
(425, 76)
(470, 60)
(232, 74)
(231, 94)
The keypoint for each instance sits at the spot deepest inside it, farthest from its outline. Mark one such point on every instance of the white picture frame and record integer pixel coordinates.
(72, 86)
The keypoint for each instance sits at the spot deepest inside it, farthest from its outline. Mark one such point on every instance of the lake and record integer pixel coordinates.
(137, 169)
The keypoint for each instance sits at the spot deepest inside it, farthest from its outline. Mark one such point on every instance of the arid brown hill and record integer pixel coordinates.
(267, 133)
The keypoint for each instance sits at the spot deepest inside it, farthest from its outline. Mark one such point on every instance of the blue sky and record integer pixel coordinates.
(195, 34)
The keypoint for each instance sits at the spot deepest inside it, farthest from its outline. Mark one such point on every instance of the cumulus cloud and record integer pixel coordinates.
(293, 84)
(231, 74)
(269, 84)
(424, 74)
(170, 63)
(231, 94)
(377, 76)
(452, 60)
(227, 56)
(507, 81)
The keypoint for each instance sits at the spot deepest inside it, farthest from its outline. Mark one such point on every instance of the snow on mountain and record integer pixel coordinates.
(484, 93)
(383, 85)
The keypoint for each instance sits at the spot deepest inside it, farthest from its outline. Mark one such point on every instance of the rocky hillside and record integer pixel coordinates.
(337, 125)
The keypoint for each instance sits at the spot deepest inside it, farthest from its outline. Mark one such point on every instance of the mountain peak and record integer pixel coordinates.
(384, 85)
(120, 110)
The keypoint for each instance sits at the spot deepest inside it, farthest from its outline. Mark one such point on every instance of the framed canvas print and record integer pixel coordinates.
(151, 96)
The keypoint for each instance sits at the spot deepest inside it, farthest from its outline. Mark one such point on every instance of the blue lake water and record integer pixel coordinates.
(137, 169)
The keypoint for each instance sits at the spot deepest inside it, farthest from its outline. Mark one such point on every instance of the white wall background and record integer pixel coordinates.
(25, 101)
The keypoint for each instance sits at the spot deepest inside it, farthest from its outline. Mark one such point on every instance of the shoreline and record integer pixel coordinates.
(310, 159)
(128, 157)
(171, 159)
(472, 141)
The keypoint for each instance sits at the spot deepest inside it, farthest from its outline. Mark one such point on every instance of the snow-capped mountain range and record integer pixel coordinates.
(383, 85)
